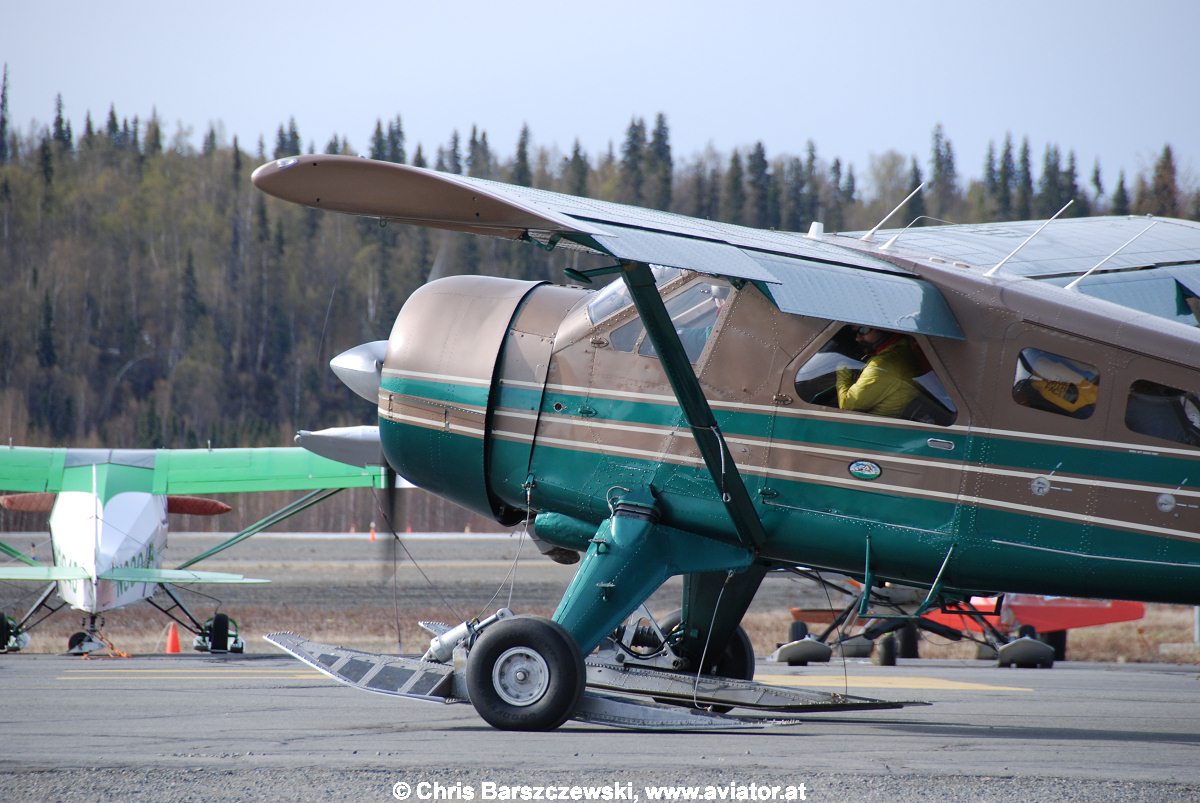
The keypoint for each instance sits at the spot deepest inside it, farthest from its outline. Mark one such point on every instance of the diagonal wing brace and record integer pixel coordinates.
(688, 393)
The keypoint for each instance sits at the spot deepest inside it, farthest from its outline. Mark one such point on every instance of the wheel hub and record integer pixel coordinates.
(520, 676)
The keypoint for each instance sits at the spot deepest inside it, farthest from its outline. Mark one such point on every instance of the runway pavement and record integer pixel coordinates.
(264, 727)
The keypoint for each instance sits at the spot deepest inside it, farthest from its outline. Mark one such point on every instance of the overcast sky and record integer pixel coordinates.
(1110, 80)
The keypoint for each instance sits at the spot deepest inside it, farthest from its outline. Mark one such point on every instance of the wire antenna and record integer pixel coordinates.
(867, 237)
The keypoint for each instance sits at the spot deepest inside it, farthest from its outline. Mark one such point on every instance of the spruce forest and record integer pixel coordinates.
(154, 298)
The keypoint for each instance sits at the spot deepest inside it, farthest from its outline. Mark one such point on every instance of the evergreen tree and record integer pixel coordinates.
(1097, 183)
(794, 203)
(395, 142)
(62, 129)
(758, 209)
(153, 142)
(659, 168)
(378, 142)
(914, 210)
(419, 157)
(575, 174)
(733, 194)
(453, 156)
(1023, 195)
(209, 146)
(834, 212)
(47, 355)
(1164, 190)
(4, 117)
(632, 175)
(521, 172)
(1050, 185)
(943, 178)
(1008, 180)
(1120, 197)
(991, 177)
(1070, 190)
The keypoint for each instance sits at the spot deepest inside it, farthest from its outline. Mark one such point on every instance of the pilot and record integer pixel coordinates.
(885, 385)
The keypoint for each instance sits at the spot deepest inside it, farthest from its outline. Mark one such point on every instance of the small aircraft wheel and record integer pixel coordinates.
(907, 641)
(76, 639)
(5, 631)
(736, 660)
(885, 651)
(797, 631)
(218, 634)
(525, 673)
(1027, 631)
(1058, 640)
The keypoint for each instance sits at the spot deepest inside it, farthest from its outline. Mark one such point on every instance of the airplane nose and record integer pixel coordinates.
(438, 378)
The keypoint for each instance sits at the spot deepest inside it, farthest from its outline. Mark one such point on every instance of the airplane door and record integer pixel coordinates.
(902, 468)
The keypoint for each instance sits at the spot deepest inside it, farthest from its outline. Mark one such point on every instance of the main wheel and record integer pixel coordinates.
(906, 641)
(218, 634)
(77, 638)
(525, 673)
(735, 661)
(5, 631)
(885, 650)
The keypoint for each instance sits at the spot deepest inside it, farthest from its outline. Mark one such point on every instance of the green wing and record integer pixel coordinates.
(30, 469)
(205, 471)
(177, 576)
(43, 574)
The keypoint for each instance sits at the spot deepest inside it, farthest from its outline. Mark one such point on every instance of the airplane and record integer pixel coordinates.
(686, 419)
(109, 524)
(991, 622)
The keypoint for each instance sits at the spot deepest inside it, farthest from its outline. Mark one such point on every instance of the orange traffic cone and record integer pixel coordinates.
(372, 532)
(173, 638)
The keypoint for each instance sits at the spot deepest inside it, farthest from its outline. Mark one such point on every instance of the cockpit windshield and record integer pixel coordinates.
(615, 296)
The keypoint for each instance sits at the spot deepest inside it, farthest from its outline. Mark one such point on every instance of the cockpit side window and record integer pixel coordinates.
(1056, 384)
(615, 296)
(694, 311)
(1163, 412)
(878, 372)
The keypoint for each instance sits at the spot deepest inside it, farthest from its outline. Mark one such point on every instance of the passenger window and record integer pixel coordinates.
(1056, 384)
(694, 313)
(878, 372)
(1163, 412)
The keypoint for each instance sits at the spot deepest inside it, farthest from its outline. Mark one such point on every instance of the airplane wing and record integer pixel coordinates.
(805, 276)
(176, 576)
(205, 471)
(829, 276)
(43, 573)
(30, 469)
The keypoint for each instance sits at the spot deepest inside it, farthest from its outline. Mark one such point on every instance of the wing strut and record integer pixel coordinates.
(690, 397)
(304, 502)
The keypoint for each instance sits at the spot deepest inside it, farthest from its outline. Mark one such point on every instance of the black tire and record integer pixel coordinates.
(525, 674)
(1058, 640)
(77, 638)
(885, 651)
(797, 631)
(218, 634)
(5, 631)
(735, 661)
(1027, 631)
(907, 641)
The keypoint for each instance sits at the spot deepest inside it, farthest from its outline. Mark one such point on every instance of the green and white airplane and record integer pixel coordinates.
(108, 524)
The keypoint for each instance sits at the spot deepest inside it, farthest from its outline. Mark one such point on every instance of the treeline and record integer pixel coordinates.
(154, 298)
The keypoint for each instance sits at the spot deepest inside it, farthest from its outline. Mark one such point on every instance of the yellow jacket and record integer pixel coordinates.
(885, 386)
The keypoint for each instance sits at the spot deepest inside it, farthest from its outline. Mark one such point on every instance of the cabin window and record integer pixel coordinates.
(878, 372)
(615, 296)
(694, 312)
(1056, 384)
(1163, 412)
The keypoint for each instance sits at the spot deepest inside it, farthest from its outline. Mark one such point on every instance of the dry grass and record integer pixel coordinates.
(1163, 635)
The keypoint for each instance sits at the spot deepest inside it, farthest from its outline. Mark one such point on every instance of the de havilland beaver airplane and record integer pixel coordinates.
(108, 524)
(960, 409)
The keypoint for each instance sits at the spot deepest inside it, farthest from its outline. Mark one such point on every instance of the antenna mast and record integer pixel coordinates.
(992, 272)
(1074, 285)
(867, 237)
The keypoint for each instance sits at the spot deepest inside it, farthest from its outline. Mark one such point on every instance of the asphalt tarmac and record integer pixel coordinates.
(263, 726)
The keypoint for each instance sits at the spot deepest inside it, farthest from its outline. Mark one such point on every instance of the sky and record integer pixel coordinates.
(1111, 81)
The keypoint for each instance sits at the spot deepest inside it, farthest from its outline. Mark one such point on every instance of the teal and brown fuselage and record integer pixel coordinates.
(530, 405)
